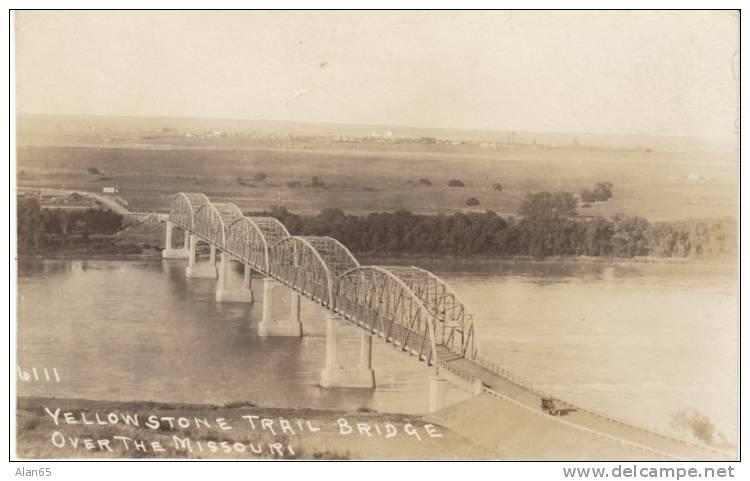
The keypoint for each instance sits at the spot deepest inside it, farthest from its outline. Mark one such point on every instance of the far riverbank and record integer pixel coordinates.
(115, 251)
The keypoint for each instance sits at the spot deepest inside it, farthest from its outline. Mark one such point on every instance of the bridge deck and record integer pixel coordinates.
(655, 443)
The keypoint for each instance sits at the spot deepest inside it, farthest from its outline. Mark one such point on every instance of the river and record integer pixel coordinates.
(650, 343)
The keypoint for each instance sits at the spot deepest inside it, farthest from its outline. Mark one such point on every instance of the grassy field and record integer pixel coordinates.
(367, 177)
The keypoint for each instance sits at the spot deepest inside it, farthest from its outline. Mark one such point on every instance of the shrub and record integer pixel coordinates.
(697, 424)
(425, 182)
(92, 171)
(239, 404)
(587, 196)
(602, 192)
(472, 201)
(455, 183)
(244, 183)
(498, 187)
(260, 177)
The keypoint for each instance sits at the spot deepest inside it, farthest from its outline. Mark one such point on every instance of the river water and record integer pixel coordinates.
(645, 342)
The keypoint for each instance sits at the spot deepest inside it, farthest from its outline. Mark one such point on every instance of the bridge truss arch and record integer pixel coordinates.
(250, 239)
(311, 265)
(376, 298)
(212, 219)
(183, 207)
(455, 326)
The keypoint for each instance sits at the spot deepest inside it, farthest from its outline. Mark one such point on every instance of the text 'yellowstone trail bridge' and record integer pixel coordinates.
(408, 308)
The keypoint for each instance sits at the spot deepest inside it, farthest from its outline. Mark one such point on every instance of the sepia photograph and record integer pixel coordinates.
(362, 235)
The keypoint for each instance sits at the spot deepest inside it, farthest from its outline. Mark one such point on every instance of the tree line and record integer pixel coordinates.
(39, 228)
(547, 224)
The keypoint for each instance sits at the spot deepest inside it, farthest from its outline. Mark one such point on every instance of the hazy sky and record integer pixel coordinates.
(626, 72)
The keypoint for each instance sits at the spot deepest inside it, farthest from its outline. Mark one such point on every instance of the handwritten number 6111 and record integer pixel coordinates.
(38, 375)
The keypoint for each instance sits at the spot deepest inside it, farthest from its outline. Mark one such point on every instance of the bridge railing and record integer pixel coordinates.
(497, 368)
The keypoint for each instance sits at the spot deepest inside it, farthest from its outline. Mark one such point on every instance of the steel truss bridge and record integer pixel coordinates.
(408, 308)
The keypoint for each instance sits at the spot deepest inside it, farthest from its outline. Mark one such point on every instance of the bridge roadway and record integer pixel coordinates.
(651, 444)
(409, 308)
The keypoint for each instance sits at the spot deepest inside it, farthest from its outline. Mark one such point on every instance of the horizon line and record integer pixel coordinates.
(463, 129)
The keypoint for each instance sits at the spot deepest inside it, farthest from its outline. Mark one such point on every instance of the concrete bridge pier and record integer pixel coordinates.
(225, 292)
(334, 375)
(438, 387)
(200, 269)
(443, 380)
(269, 327)
(171, 252)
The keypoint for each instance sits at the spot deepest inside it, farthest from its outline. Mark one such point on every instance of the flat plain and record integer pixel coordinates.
(320, 169)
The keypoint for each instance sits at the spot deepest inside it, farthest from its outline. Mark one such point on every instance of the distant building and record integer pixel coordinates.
(109, 190)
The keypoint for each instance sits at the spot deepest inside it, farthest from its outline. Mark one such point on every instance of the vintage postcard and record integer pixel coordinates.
(376, 235)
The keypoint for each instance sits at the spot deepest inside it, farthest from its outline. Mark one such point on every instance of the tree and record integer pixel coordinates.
(472, 201)
(29, 222)
(587, 196)
(497, 186)
(630, 237)
(93, 171)
(547, 206)
(260, 176)
(603, 191)
(547, 226)
(425, 182)
(594, 237)
(292, 222)
(455, 183)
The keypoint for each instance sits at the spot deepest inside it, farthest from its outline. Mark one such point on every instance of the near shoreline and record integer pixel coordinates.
(51, 428)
